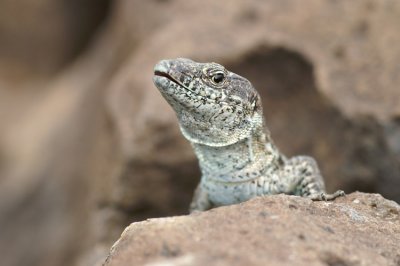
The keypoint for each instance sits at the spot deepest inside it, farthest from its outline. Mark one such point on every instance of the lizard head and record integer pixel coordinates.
(214, 106)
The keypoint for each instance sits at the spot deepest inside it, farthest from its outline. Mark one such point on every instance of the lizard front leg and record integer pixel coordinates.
(200, 201)
(304, 179)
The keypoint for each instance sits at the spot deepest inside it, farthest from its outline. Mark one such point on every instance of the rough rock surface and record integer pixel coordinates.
(360, 229)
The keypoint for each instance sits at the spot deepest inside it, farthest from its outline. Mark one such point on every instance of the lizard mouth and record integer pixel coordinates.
(162, 74)
(165, 75)
(158, 73)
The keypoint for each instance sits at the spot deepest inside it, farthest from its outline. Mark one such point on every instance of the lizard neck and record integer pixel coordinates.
(244, 160)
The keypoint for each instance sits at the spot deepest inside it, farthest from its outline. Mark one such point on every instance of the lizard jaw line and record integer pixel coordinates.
(162, 74)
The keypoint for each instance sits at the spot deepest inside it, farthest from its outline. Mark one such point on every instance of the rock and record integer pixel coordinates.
(38, 38)
(359, 229)
(47, 153)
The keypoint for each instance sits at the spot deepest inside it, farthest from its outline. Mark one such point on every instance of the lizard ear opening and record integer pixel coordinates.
(255, 103)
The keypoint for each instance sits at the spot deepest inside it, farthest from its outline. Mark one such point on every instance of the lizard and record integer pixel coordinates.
(221, 115)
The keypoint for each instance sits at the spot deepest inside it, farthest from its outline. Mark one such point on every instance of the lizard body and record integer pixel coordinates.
(220, 113)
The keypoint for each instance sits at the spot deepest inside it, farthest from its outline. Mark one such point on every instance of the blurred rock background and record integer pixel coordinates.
(87, 144)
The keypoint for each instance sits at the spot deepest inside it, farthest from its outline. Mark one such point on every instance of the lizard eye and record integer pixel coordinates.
(218, 77)
(215, 75)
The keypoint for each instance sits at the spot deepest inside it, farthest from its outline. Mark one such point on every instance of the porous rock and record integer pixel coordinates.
(359, 229)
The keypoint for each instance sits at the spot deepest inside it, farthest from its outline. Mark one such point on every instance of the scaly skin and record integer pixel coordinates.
(220, 113)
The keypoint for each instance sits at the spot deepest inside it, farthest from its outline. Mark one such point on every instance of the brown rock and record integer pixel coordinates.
(40, 37)
(359, 229)
(47, 155)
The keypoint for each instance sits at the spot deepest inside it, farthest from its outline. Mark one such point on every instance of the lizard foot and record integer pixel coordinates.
(326, 197)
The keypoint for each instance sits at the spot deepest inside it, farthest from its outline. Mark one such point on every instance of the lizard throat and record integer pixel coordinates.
(240, 162)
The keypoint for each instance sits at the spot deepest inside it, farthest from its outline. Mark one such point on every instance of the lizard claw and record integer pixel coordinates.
(326, 197)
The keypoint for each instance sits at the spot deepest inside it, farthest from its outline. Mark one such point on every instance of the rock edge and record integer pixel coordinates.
(359, 229)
